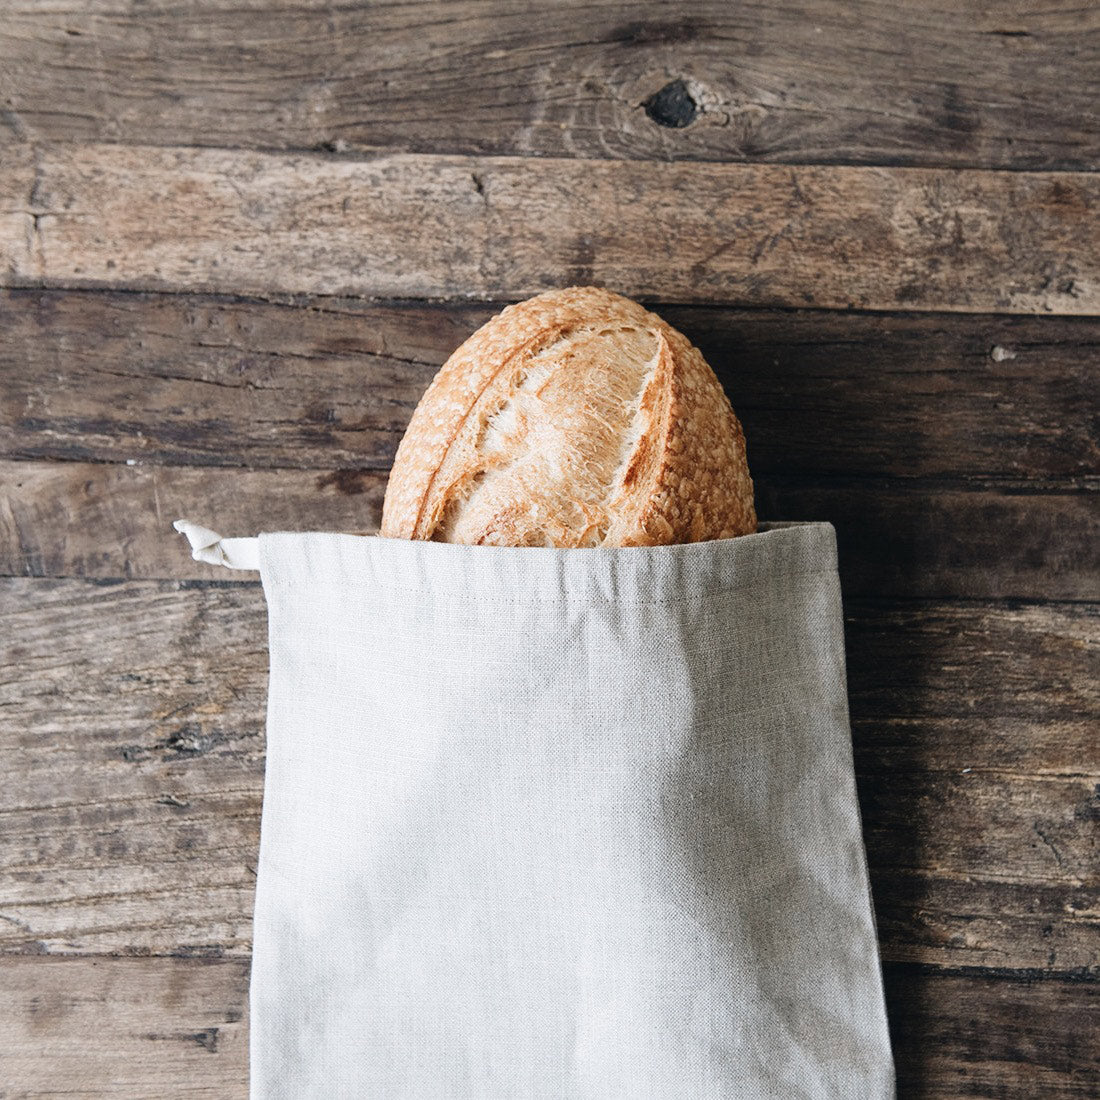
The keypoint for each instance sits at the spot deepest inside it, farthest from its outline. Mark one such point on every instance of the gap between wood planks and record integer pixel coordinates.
(429, 226)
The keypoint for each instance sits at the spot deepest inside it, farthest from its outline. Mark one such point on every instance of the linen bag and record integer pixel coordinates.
(559, 823)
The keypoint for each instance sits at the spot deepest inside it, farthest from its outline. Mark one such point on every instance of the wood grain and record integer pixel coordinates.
(934, 84)
(973, 660)
(124, 1027)
(176, 1028)
(933, 539)
(133, 736)
(132, 731)
(936, 159)
(991, 1036)
(937, 918)
(330, 384)
(897, 538)
(507, 227)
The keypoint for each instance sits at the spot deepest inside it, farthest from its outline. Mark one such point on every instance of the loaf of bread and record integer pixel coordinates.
(576, 418)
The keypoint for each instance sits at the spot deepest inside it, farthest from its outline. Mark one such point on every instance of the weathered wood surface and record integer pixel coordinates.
(331, 384)
(897, 538)
(969, 660)
(467, 151)
(937, 84)
(420, 225)
(936, 918)
(177, 1028)
(132, 739)
(135, 731)
(162, 1028)
(984, 1036)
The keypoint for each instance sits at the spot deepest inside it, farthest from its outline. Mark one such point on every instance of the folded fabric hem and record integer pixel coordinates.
(543, 575)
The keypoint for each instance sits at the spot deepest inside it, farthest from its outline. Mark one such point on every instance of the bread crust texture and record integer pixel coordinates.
(576, 418)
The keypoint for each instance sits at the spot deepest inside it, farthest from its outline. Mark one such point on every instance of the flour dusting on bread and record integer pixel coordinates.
(573, 419)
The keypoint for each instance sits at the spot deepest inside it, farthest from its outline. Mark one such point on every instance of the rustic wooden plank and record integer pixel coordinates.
(999, 746)
(1016, 826)
(927, 539)
(979, 1035)
(933, 84)
(131, 726)
(108, 521)
(936, 918)
(421, 225)
(906, 394)
(332, 383)
(124, 1028)
(215, 381)
(973, 660)
(144, 838)
(178, 1028)
(897, 538)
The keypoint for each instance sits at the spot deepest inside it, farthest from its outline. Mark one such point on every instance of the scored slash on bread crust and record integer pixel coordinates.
(575, 418)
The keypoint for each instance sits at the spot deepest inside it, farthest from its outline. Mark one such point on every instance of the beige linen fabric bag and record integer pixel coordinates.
(559, 823)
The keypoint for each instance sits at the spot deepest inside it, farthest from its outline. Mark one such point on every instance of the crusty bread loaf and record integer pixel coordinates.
(576, 418)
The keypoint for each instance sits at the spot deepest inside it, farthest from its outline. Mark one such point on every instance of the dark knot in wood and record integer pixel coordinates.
(672, 106)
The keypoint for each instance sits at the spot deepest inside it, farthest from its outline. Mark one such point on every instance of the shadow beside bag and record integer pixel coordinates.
(559, 823)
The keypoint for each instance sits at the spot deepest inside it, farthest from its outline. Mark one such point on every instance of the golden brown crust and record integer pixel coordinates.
(684, 478)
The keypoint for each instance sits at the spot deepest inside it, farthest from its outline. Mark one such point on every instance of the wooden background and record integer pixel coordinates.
(238, 237)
